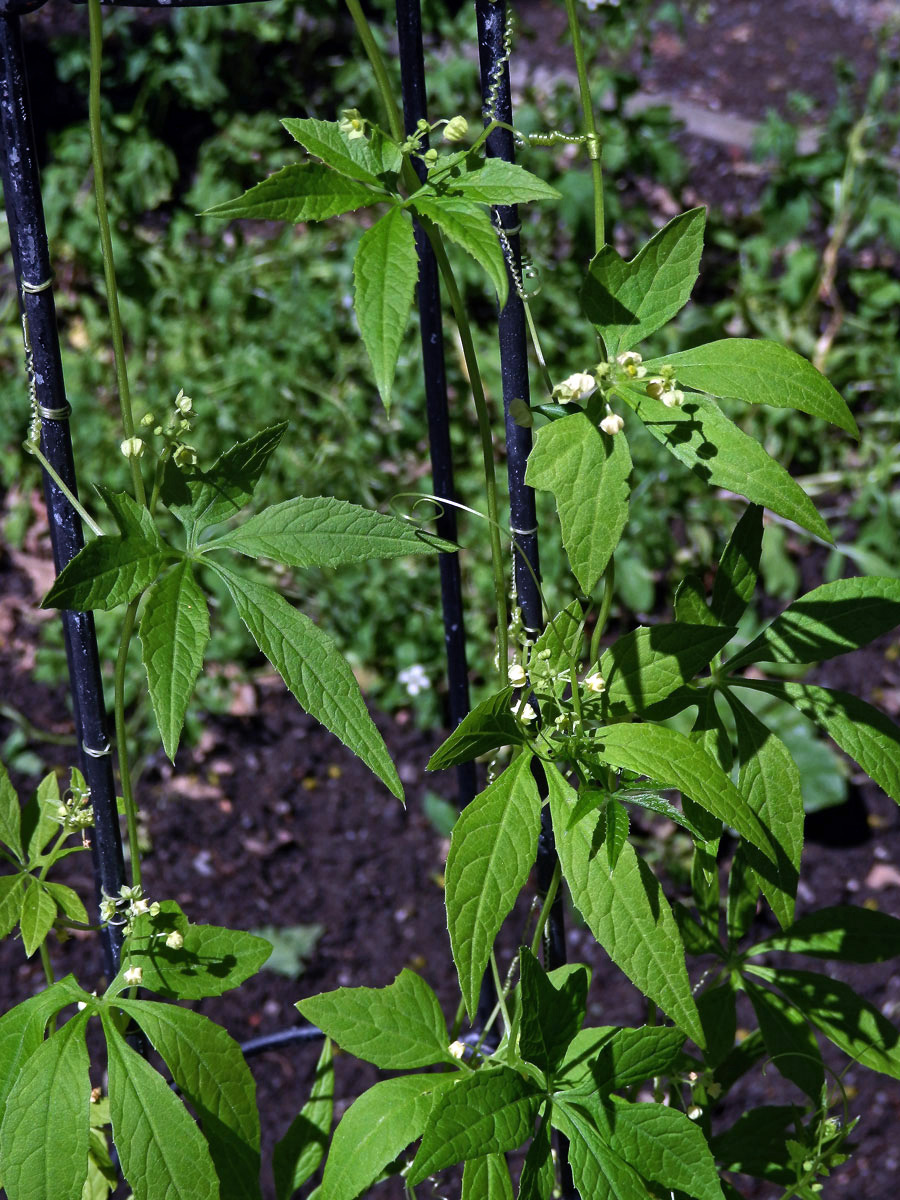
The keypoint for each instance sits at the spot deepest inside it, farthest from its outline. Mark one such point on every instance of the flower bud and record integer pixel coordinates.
(577, 387)
(595, 683)
(527, 714)
(457, 1049)
(175, 940)
(430, 157)
(612, 424)
(183, 403)
(516, 675)
(456, 129)
(133, 976)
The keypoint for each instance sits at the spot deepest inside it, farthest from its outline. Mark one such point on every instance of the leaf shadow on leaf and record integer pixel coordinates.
(681, 433)
(596, 296)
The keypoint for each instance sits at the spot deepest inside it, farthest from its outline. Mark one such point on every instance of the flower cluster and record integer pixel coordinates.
(124, 909)
(76, 813)
(178, 424)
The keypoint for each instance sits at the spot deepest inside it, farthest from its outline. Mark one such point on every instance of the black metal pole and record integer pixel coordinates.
(497, 105)
(31, 261)
(415, 104)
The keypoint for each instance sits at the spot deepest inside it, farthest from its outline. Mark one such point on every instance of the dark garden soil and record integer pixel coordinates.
(269, 821)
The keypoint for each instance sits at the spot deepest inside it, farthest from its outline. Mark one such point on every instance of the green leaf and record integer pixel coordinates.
(22, 1029)
(303, 1147)
(67, 901)
(538, 1177)
(672, 759)
(770, 782)
(299, 192)
(174, 632)
(669, 1147)
(626, 911)
(588, 473)
(867, 735)
(10, 816)
(162, 1152)
(558, 646)
(107, 572)
(738, 568)
(755, 1143)
(846, 933)
(490, 724)
(46, 1155)
(209, 1069)
(758, 372)
(551, 1016)
(597, 1169)
(313, 670)
(397, 1027)
(616, 825)
(628, 301)
(469, 226)
(11, 896)
(37, 916)
(854, 1025)
(646, 665)
(212, 959)
(498, 182)
(375, 1129)
(488, 1112)
(690, 603)
(319, 531)
(718, 1012)
(705, 440)
(385, 271)
(40, 818)
(830, 620)
(492, 850)
(323, 140)
(486, 1178)
(203, 498)
(789, 1040)
(607, 1058)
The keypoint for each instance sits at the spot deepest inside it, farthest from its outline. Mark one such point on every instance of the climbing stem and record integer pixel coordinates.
(122, 743)
(592, 137)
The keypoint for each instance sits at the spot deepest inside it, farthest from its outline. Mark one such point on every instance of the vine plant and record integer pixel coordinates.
(573, 725)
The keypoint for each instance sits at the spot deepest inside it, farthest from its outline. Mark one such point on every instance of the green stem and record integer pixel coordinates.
(122, 742)
(47, 964)
(364, 29)
(60, 838)
(34, 448)
(501, 995)
(609, 583)
(594, 144)
(109, 268)
(544, 914)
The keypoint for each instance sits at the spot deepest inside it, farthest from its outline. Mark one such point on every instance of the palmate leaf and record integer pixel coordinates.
(11, 894)
(644, 666)
(47, 1157)
(22, 1029)
(486, 1178)
(830, 620)
(488, 1112)
(469, 226)
(490, 724)
(598, 1171)
(203, 498)
(174, 632)
(626, 911)
(789, 1040)
(538, 1178)
(362, 158)
(319, 531)
(313, 670)
(37, 916)
(209, 1069)
(496, 182)
(700, 435)
(560, 643)
(870, 738)
(738, 568)
(298, 192)
(375, 1129)
(627, 301)
(669, 1147)
(385, 271)
(161, 1150)
(551, 1015)
(588, 473)
(847, 933)
(10, 816)
(758, 372)
(607, 1058)
(298, 1154)
(492, 850)
(398, 1027)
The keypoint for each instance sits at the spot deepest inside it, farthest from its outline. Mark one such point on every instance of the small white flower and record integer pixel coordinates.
(132, 447)
(527, 714)
(175, 940)
(695, 1112)
(133, 976)
(457, 1049)
(139, 907)
(577, 387)
(456, 129)
(612, 424)
(185, 456)
(516, 675)
(414, 679)
(352, 123)
(672, 398)
(595, 683)
(630, 362)
(183, 403)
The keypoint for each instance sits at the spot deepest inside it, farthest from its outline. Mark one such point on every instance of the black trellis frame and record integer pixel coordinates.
(31, 262)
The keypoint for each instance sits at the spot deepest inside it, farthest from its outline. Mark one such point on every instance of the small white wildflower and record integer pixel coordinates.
(457, 1049)
(456, 129)
(139, 907)
(630, 362)
(612, 424)
(516, 675)
(175, 940)
(577, 387)
(695, 1112)
(595, 683)
(185, 456)
(672, 398)
(352, 123)
(132, 447)
(183, 403)
(133, 976)
(414, 679)
(527, 714)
